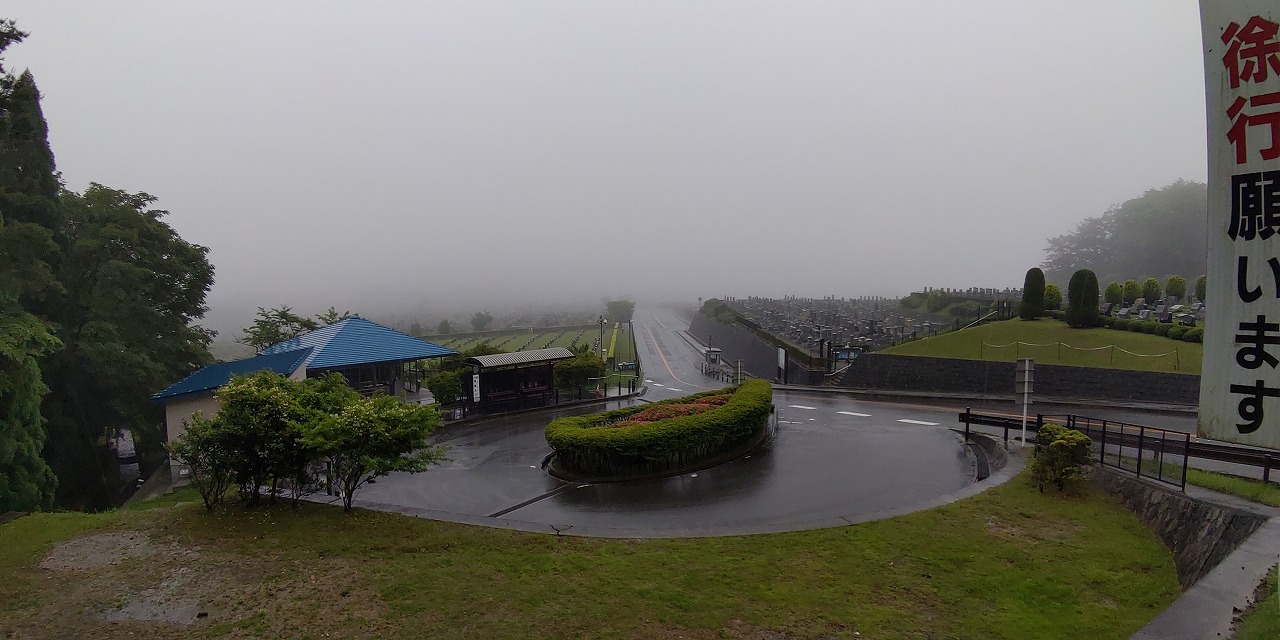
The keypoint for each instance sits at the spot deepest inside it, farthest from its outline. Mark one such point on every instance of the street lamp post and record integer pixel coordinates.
(602, 337)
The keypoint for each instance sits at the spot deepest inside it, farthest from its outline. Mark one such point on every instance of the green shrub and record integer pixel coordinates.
(592, 445)
(1176, 332)
(1175, 286)
(1121, 324)
(1056, 314)
(1131, 291)
(937, 301)
(1114, 293)
(1195, 334)
(1201, 284)
(1162, 329)
(1082, 299)
(1135, 325)
(1151, 290)
(1150, 327)
(1052, 297)
(1061, 455)
(1032, 295)
(965, 309)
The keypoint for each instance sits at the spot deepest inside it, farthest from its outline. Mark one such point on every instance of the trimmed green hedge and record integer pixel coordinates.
(589, 446)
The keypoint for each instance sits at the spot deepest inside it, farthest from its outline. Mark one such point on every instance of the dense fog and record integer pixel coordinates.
(401, 159)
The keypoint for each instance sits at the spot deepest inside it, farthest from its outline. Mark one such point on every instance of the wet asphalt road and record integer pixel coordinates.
(833, 457)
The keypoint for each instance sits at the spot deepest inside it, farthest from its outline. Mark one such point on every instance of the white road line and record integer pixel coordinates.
(851, 413)
(647, 380)
(800, 406)
(657, 384)
(674, 389)
(927, 424)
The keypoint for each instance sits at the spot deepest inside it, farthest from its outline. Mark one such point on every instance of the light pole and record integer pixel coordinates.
(602, 337)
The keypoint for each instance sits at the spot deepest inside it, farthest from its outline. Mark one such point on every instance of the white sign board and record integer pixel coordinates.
(475, 387)
(1240, 382)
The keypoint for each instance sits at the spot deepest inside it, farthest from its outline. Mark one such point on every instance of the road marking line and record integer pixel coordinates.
(851, 413)
(657, 384)
(674, 389)
(800, 406)
(648, 380)
(927, 424)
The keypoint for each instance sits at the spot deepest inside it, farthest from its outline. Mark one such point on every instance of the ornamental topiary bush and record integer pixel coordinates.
(1193, 335)
(1163, 329)
(1176, 332)
(661, 438)
(1062, 454)
(1032, 295)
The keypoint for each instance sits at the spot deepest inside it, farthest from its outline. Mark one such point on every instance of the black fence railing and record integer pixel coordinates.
(1148, 452)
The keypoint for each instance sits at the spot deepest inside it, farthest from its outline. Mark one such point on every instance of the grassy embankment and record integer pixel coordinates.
(1009, 563)
(997, 341)
(1263, 622)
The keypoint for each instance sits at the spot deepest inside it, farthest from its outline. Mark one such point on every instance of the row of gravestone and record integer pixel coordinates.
(1168, 311)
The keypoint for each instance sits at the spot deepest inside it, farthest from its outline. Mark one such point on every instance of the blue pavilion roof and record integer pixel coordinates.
(213, 376)
(356, 341)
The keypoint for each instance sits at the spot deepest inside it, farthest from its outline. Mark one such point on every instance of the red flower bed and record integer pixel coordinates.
(663, 411)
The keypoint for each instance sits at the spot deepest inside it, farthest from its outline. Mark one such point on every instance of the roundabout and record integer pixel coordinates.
(821, 469)
(831, 461)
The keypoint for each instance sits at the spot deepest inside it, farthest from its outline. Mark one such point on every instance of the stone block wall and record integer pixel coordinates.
(1200, 534)
(950, 375)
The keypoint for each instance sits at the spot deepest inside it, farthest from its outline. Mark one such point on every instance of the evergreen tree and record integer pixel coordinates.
(1151, 290)
(134, 290)
(1114, 294)
(1082, 299)
(26, 247)
(1175, 286)
(1032, 295)
(1201, 284)
(1131, 291)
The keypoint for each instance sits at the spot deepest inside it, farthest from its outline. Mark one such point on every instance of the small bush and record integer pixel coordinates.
(1150, 327)
(1135, 326)
(1194, 335)
(1056, 314)
(1176, 332)
(1061, 455)
(1121, 324)
(1162, 329)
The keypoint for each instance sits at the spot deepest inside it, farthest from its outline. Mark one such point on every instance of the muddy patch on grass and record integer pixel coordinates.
(103, 550)
(127, 584)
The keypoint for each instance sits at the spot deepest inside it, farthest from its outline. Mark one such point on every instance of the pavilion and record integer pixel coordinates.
(370, 356)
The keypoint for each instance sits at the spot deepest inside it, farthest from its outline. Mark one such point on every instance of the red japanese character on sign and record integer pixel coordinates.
(1242, 121)
(1251, 50)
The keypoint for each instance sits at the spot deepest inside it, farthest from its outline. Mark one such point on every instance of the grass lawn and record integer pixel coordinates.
(995, 341)
(1267, 493)
(1009, 563)
(1263, 623)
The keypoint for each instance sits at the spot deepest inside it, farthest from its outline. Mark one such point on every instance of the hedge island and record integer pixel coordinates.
(663, 438)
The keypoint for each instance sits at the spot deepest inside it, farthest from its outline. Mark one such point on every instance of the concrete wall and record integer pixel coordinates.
(1200, 534)
(759, 358)
(176, 413)
(948, 375)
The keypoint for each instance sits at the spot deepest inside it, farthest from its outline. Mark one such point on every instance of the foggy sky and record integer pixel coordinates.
(484, 153)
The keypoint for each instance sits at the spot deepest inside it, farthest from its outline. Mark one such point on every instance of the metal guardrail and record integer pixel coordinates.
(1149, 452)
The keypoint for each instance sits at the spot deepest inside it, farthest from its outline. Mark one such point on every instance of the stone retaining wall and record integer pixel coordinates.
(1200, 534)
(952, 375)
